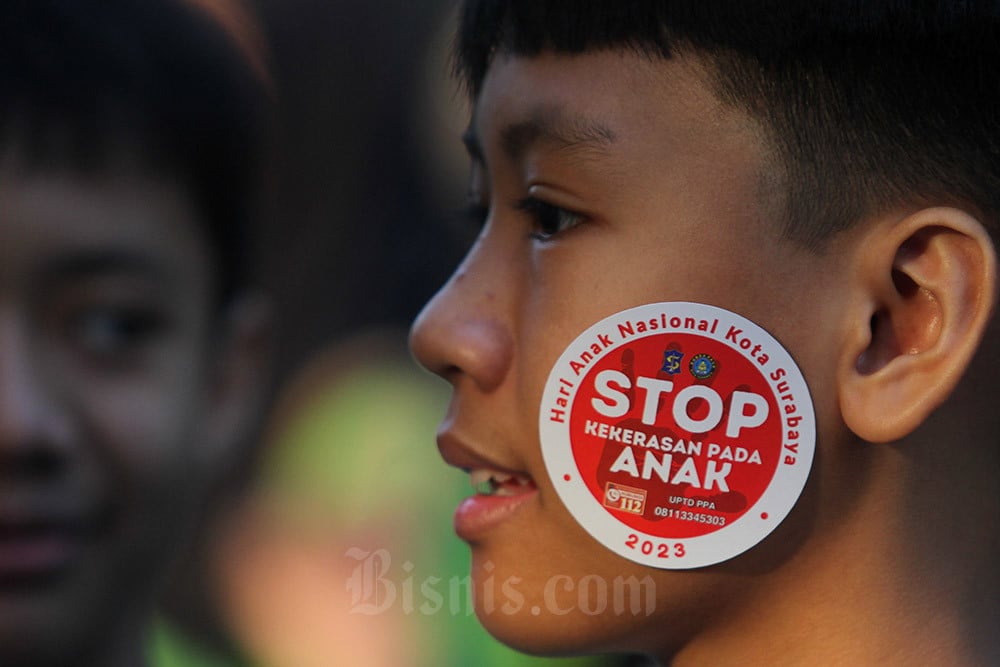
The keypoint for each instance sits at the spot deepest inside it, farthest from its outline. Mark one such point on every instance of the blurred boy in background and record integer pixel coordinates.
(130, 346)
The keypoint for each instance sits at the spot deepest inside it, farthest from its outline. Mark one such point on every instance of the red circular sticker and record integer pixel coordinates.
(678, 434)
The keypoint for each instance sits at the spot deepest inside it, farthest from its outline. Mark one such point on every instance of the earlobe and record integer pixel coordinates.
(925, 291)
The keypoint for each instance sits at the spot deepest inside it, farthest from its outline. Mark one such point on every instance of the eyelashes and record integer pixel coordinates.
(546, 220)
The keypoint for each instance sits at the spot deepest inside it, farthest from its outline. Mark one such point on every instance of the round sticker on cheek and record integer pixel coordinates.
(679, 435)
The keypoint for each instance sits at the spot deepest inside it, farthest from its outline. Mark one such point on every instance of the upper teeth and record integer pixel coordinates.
(486, 481)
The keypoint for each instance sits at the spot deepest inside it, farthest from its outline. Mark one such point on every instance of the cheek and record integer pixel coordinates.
(145, 427)
(572, 288)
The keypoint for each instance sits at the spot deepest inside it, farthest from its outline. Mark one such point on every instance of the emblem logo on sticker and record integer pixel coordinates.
(702, 366)
(672, 362)
(674, 470)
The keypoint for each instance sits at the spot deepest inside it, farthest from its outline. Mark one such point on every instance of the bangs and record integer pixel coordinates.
(527, 27)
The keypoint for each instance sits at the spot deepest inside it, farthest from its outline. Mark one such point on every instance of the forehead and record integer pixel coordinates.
(128, 217)
(621, 95)
(645, 137)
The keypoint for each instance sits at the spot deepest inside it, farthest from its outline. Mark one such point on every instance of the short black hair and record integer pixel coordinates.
(867, 104)
(164, 80)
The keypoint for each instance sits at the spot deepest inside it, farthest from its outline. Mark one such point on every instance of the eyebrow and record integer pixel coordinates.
(546, 125)
(104, 262)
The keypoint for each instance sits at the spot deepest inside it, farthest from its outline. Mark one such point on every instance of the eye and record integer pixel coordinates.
(106, 331)
(547, 219)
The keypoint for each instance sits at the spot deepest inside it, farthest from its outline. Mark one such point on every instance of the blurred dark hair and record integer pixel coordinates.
(866, 104)
(163, 81)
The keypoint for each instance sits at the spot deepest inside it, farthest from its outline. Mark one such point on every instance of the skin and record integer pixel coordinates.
(118, 402)
(668, 196)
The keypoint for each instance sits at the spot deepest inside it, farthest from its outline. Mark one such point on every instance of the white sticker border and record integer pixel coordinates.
(700, 551)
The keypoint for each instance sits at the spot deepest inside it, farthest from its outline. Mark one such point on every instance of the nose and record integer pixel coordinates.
(29, 429)
(465, 330)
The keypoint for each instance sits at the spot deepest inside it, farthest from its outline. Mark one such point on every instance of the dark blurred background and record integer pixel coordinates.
(356, 239)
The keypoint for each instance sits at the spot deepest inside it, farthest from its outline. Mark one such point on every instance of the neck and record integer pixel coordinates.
(127, 647)
(867, 588)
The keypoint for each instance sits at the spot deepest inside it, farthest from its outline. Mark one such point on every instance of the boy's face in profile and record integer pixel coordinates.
(109, 397)
(612, 180)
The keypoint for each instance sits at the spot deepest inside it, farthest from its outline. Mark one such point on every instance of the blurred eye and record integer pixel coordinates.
(547, 219)
(107, 331)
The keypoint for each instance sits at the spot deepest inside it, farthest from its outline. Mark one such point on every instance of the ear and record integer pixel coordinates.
(242, 356)
(924, 294)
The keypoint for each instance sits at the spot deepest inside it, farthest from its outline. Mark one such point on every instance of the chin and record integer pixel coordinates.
(547, 634)
(548, 609)
(26, 638)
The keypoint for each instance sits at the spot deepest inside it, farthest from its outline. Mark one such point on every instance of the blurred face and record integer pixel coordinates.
(105, 351)
(606, 181)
